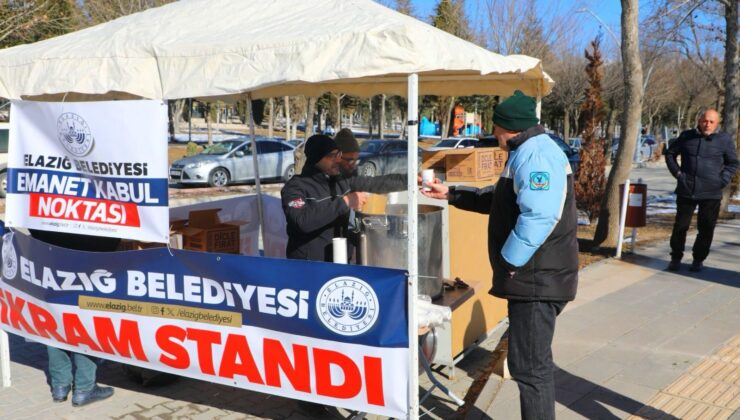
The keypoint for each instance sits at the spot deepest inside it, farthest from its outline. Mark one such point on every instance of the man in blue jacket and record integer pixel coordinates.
(532, 245)
(708, 163)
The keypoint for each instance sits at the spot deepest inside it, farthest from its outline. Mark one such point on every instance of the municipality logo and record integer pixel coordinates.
(539, 181)
(10, 257)
(347, 306)
(74, 134)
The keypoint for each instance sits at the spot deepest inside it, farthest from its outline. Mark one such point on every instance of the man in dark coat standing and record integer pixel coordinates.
(708, 163)
(532, 245)
(318, 202)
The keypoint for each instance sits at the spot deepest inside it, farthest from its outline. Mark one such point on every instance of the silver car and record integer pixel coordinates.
(230, 161)
(454, 143)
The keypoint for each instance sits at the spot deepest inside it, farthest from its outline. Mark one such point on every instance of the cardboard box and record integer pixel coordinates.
(205, 232)
(175, 239)
(479, 164)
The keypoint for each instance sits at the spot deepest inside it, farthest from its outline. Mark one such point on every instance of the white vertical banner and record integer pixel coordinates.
(92, 168)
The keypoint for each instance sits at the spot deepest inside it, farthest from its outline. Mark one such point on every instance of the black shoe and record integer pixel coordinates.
(96, 394)
(674, 265)
(59, 393)
(696, 266)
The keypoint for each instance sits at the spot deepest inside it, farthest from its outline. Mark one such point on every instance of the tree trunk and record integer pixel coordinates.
(732, 91)
(381, 117)
(446, 105)
(338, 122)
(607, 230)
(271, 117)
(286, 100)
(310, 106)
(370, 117)
(566, 124)
(609, 135)
(208, 124)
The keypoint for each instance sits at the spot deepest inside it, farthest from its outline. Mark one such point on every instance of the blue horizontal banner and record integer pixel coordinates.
(345, 303)
(143, 192)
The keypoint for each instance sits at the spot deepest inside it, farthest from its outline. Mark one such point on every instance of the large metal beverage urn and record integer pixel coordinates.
(384, 243)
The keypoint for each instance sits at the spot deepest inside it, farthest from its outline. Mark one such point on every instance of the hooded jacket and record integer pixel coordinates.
(532, 243)
(708, 164)
(316, 212)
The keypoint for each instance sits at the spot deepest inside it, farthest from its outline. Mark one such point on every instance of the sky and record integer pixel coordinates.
(607, 11)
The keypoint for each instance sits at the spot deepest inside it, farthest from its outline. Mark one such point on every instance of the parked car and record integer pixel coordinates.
(487, 141)
(230, 161)
(4, 134)
(454, 143)
(294, 142)
(575, 143)
(381, 157)
(646, 147)
(574, 157)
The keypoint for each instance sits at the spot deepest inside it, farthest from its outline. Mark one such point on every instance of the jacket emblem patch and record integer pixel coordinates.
(297, 203)
(539, 181)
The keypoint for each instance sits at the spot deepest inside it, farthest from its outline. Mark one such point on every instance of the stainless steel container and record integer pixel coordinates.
(386, 243)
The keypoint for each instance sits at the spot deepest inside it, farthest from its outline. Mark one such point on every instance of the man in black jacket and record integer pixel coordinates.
(317, 202)
(708, 163)
(532, 245)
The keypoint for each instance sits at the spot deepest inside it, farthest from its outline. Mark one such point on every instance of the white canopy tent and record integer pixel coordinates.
(221, 48)
(228, 49)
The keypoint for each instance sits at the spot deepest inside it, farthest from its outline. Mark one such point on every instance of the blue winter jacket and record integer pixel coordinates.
(532, 243)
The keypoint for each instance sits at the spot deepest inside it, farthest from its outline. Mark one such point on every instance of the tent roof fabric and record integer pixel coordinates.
(225, 48)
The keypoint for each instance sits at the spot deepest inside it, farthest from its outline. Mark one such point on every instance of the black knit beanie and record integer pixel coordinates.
(318, 146)
(346, 141)
(516, 113)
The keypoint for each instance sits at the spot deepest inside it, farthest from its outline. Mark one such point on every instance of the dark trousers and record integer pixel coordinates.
(706, 220)
(531, 328)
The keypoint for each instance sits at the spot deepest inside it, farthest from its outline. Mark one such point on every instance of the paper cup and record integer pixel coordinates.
(339, 248)
(427, 178)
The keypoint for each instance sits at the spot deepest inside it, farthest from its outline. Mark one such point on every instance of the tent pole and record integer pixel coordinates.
(255, 162)
(413, 260)
(538, 110)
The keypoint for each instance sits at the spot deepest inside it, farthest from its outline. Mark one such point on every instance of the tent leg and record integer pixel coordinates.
(4, 360)
(413, 261)
(255, 162)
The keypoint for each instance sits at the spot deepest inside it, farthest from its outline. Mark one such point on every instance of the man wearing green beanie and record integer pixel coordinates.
(532, 244)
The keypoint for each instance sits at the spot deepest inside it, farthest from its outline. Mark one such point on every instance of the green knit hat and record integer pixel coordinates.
(516, 113)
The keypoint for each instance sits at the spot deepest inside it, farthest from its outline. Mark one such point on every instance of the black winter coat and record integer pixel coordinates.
(316, 212)
(707, 164)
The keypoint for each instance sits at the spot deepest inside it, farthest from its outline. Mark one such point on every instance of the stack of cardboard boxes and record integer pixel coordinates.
(201, 231)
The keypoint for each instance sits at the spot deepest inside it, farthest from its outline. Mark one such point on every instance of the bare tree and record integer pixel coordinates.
(271, 117)
(732, 86)
(286, 104)
(100, 11)
(568, 91)
(30, 21)
(521, 27)
(607, 229)
(404, 6)
(698, 34)
(310, 111)
(174, 114)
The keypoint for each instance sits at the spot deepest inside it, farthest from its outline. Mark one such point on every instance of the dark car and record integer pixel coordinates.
(574, 158)
(487, 141)
(381, 157)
